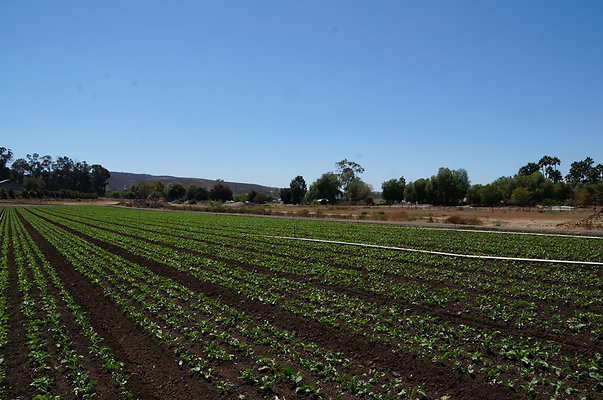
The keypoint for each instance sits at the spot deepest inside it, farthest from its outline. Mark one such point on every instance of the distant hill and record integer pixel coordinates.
(123, 180)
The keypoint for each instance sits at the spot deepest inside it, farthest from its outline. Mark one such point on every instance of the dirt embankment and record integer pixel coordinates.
(592, 222)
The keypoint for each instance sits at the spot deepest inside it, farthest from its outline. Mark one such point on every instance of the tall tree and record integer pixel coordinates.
(393, 190)
(100, 176)
(448, 187)
(298, 189)
(584, 171)
(553, 174)
(325, 187)
(521, 195)
(528, 169)
(358, 190)
(196, 192)
(286, 195)
(141, 190)
(174, 191)
(544, 162)
(5, 156)
(158, 186)
(220, 191)
(347, 171)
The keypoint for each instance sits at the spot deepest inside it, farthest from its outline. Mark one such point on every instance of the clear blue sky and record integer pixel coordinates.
(262, 91)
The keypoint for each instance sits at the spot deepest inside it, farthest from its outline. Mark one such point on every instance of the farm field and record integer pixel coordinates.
(108, 303)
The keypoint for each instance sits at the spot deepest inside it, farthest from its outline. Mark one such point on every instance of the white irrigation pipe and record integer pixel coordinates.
(440, 253)
(516, 233)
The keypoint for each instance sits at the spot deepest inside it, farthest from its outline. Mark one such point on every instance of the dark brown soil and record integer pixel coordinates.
(19, 374)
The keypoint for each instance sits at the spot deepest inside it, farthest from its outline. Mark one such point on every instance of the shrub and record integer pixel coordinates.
(458, 220)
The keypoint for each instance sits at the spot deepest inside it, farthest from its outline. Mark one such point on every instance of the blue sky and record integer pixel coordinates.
(262, 91)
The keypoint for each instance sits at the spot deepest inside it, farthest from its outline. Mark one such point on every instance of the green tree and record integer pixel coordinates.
(174, 191)
(5, 156)
(141, 190)
(528, 169)
(347, 171)
(158, 186)
(261, 198)
(99, 176)
(325, 187)
(474, 194)
(251, 196)
(584, 171)
(197, 193)
(358, 190)
(491, 195)
(554, 174)
(410, 194)
(415, 192)
(18, 170)
(521, 195)
(220, 191)
(393, 190)
(32, 184)
(562, 192)
(286, 195)
(298, 189)
(448, 187)
(583, 196)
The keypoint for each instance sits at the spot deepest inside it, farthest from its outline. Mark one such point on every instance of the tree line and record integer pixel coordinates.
(536, 182)
(43, 176)
(176, 191)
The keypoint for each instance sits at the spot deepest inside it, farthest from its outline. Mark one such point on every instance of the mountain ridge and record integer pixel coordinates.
(124, 180)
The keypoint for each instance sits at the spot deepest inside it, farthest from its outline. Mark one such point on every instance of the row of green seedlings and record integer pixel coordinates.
(325, 314)
(41, 314)
(82, 386)
(353, 383)
(97, 346)
(4, 312)
(522, 312)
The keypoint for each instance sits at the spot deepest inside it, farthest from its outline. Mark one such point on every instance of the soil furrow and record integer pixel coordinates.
(19, 373)
(104, 389)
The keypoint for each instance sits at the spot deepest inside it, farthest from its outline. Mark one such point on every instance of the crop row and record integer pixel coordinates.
(4, 313)
(50, 344)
